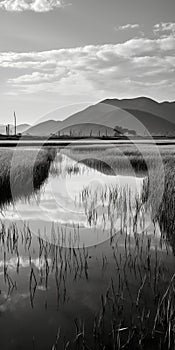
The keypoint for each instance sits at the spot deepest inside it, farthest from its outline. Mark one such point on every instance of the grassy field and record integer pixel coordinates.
(121, 159)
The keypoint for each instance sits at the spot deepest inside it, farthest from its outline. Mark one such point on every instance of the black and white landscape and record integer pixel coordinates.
(87, 175)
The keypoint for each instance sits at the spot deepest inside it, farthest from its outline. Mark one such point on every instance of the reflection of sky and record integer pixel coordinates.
(59, 201)
(10, 303)
(23, 262)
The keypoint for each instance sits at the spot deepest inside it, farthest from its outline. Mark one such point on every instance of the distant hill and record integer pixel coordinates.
(20, 128)
(140, 114)
(165, 110)
(110, 116)
(44, 128)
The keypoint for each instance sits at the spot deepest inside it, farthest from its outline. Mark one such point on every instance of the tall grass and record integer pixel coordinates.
(121, 159)
(165, 213)
(23, 171)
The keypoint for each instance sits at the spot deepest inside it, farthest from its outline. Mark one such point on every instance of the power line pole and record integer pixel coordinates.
(15, 123)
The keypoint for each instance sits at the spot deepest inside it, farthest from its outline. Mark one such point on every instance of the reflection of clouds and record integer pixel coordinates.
(60, 200)
(42, 288)
(23, 262)
(11, 302)
(61, 204)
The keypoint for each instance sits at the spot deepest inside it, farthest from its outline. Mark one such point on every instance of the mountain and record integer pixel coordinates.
(110, 115)
(44, 128)
(20, 128)
(74, 124)
(141, 114)
(164, 110)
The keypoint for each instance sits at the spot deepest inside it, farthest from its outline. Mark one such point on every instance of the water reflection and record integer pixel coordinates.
(63, 284)
(86, 203)
(78, 196)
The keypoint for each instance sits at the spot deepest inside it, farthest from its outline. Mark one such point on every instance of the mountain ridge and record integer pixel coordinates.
(155, 118)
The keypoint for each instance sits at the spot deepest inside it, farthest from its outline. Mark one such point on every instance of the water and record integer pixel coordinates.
(24, 142)
(68, 198)
(73, 257)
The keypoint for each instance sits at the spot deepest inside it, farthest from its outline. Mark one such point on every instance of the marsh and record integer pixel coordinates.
(86, 253)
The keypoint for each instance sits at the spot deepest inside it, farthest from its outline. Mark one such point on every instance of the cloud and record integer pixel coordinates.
(142, 65)
(164, 28)
(30, 5)
(38, 77)
(128, 26)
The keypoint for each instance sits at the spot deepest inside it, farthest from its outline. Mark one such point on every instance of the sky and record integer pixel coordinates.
(56, 53)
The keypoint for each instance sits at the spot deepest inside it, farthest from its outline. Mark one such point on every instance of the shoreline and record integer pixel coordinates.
(46, 142)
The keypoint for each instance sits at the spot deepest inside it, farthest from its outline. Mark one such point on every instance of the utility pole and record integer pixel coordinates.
(15, 123)
(8, 130)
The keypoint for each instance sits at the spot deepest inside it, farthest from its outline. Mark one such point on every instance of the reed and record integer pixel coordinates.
(23, 171)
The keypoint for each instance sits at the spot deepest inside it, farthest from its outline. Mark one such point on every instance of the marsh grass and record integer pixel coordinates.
(121, 159)
(23, 171)
(165, 213)
(110, 160)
